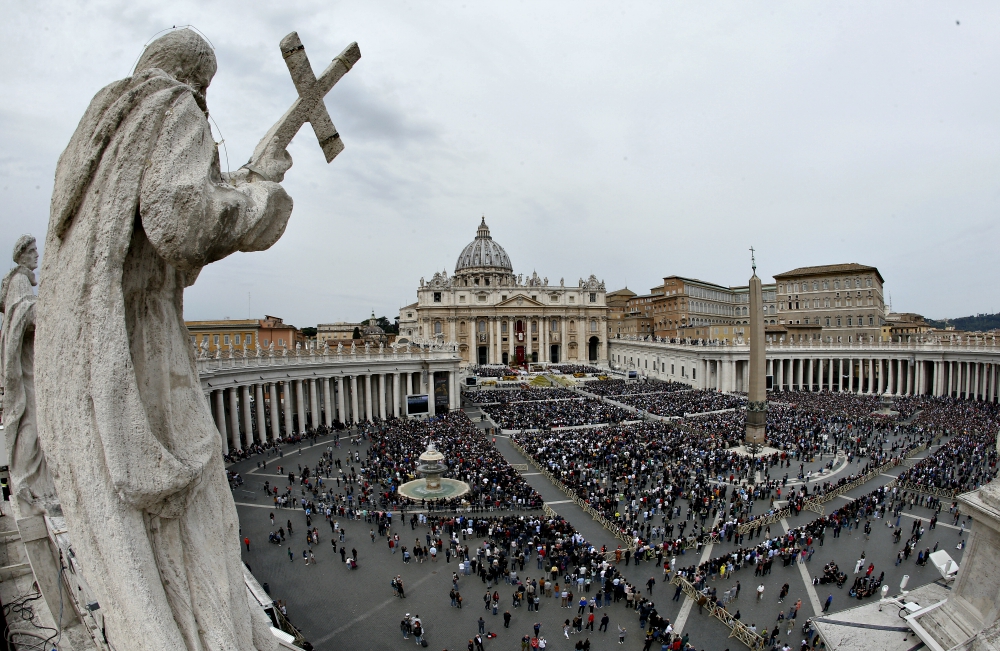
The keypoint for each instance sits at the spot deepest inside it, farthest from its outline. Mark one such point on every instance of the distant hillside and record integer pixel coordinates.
(970, 323)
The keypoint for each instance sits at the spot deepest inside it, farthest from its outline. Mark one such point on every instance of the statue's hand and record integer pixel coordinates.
(271, 166)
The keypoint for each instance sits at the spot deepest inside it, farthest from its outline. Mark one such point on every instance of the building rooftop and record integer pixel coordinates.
(822, 270)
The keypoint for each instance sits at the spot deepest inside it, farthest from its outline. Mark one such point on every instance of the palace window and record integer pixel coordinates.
(503, 327)
(838, 321)
(555, 325)
(503, 297)
(572, 299)
(215, 340)
(593, 297)
(225, 340)
(836, 284)
(437, 327)
(868, 282)
(461, 298)
(237, 342)
(849, 321)
(827, 322)
(482, 326)
(534, 327)
(871, 320)
(437, 296)
(593, 325)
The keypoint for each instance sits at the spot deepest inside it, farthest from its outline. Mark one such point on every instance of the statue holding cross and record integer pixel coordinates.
(139, 207)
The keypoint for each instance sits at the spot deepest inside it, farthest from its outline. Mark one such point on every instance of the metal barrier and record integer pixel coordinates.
(927, 490)
(519, 467)
(763, 521)
(737, 629)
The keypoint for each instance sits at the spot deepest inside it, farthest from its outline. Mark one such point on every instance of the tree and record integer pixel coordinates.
(309, 332)
(357, 333)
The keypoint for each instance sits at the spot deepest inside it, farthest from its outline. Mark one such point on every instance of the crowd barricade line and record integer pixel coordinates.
(738, 629)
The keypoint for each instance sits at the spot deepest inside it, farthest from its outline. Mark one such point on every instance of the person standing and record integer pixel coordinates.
(826, 606)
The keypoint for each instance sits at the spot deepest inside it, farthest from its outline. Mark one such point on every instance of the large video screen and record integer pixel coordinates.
(417, 404)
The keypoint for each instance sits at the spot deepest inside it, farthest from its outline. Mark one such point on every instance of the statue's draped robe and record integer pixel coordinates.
(139, 207)
(30, 481)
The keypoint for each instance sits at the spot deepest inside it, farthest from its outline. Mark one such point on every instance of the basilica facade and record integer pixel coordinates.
(497, 317)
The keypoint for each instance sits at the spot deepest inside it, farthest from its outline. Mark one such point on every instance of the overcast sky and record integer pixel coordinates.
(631, 143)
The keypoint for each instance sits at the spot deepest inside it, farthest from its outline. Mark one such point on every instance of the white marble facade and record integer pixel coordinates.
(498, 317)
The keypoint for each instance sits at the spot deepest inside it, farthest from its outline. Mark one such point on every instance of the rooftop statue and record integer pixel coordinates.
(139, 208)
(31, 484)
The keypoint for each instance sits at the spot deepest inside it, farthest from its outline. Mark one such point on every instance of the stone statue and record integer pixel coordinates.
(31, 483)
(139, 207)
(340, 348)
(367, 347)
(270, 349)
(354, 348)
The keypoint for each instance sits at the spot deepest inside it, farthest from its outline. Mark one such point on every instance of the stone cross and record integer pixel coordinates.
(309, 106)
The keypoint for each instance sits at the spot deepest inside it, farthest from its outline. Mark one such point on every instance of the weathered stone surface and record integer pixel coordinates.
(139, 207)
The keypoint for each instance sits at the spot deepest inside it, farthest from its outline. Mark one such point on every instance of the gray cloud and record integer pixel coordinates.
(630, 142)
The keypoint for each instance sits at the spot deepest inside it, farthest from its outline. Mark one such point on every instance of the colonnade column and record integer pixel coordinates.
(313, 404)
(395, 395)
(431, 407)
(258, 400)
(354, 399)
(247, 415)
(327, 403)
(381, 396)
(368, 396)
(272, 390)
(234, 419)
(220, 419)
(300, 405)
(341, 413)
(286, 406)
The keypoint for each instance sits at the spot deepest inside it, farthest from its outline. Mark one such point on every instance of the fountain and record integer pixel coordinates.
(433, 486)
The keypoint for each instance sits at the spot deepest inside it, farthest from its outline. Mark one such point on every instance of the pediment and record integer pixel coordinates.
(520, 300)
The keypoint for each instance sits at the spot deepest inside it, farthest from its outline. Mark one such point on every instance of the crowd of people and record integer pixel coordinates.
(492, 371)
(529, 394)
(617, 387)
(556, 413)
(679, 403)
(573, 369)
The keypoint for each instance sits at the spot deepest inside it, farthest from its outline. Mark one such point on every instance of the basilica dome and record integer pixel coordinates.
(483, 254)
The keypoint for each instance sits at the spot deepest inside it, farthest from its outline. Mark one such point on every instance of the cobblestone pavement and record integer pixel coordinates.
(336, 608)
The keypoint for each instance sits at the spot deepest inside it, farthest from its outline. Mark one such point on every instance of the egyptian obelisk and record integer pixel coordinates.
(756, 434)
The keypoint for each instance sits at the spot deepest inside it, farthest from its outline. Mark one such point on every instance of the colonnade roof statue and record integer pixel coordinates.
(140, 206)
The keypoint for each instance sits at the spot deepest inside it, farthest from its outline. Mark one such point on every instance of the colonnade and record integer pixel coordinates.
(258, 412)
(897, 369)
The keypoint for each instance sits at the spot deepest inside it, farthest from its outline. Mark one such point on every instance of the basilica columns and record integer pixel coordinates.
(368, 396)
(355, 417)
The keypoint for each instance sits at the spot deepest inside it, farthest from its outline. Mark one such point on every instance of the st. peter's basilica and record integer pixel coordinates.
(497, 317)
